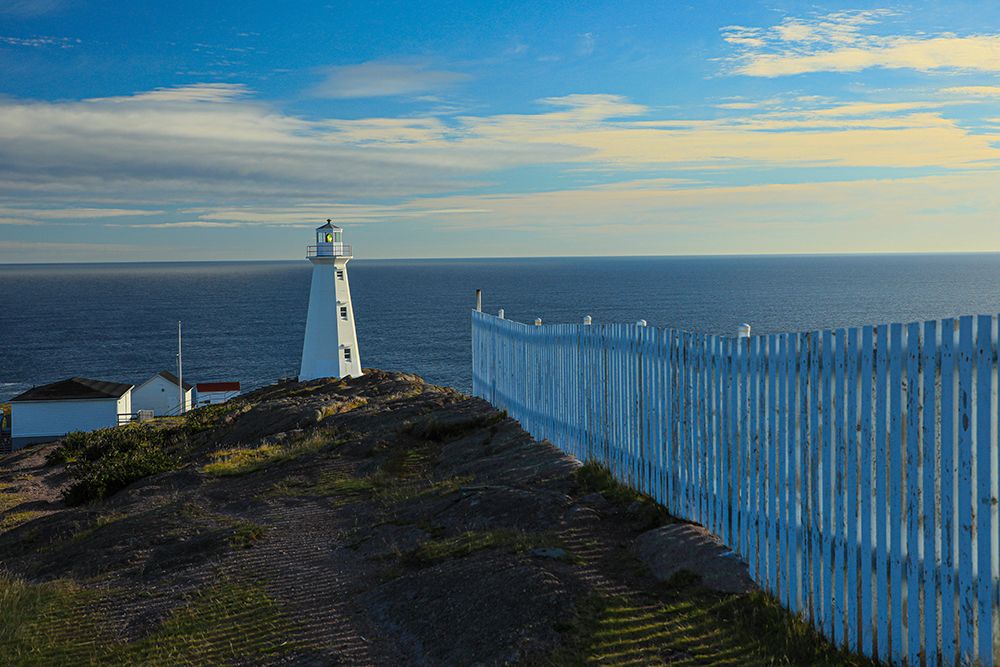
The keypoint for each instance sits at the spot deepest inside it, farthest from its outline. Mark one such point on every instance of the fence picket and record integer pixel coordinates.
(982, 493)
(966, 574)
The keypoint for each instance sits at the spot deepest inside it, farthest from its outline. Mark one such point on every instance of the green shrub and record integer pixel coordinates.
(103, 462)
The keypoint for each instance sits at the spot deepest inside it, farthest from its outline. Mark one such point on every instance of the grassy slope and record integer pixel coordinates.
(626, 620)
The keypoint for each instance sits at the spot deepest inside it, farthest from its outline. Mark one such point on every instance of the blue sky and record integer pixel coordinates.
(227, 130)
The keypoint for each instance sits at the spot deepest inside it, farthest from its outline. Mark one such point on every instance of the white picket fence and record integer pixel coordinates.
(854, 470)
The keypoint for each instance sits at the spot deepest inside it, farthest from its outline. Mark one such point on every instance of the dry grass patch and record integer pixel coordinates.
(341, 407)
(243, 460)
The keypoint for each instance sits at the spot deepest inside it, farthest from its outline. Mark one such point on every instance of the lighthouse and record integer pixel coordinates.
(330, 348)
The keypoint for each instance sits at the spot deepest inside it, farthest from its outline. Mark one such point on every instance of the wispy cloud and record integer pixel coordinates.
(185, 224)
(843, 42)
(31, 8)
(75, 213)
(385, 79)
(197, 92)
(972, 91)
(39, 42)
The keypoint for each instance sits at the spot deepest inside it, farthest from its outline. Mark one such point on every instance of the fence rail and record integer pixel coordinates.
(854, 470)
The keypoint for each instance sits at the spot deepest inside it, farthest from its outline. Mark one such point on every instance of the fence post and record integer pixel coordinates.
(588, 320)
(641, 323)
(538, 321)
(479, 300)
(500, 313)
(744, 331)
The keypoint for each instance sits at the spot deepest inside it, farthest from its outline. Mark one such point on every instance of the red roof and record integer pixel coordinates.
(218, 386)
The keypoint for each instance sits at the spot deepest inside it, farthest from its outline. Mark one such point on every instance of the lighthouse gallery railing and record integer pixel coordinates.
(854, 470)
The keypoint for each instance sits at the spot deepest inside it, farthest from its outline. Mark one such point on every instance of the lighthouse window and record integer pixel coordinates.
(347, 354)
(343, 312)
(340, 274)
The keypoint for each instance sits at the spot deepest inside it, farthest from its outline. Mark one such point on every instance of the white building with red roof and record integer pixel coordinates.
(210, 393)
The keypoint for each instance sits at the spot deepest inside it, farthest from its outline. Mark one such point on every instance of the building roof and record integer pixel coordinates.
(172, 379)
(74, 389)
(218, 386)
(328, 225)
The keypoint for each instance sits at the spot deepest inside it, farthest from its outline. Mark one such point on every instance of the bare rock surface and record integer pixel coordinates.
(685, 547)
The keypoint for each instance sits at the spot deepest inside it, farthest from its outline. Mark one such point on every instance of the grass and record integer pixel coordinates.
(436, 430)
(594, 477)
(345, 488)
(329, 484)
(100, 522)
(441, 549)
(341, 407)
(15, 519)
(692, 627)
(103, 462)
(244, 460)
(225, 624)
(246, 534)
(9, 499)
(42, 624)
(210, 416)
(57, 623)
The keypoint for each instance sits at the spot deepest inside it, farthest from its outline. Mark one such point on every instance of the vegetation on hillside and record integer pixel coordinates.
(102, 462)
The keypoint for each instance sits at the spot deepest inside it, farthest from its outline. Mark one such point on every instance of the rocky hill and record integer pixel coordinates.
(375, 521)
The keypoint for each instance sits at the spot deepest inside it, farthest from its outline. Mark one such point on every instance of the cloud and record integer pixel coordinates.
(30, 8)
(198, 92)
(841, 42)
(890, 215)
(39, 42)
(76, 213)
(972, 91)
(214, 157)
(187, 224)
(385, 79)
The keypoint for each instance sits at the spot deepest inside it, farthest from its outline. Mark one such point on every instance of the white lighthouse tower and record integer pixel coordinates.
(330, 348)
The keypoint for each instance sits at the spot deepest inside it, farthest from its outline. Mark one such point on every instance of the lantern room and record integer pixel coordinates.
(329, 242)
(329, 233)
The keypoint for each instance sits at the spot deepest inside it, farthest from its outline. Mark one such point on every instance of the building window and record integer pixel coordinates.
(343, 312)
(347, 354)
(340, 274)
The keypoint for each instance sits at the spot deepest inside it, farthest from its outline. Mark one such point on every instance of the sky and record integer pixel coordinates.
(228, 130)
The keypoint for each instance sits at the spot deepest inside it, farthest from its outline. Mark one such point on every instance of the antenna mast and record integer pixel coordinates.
(180, 372)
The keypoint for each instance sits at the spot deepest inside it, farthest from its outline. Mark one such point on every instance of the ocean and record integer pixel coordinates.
(244, 320)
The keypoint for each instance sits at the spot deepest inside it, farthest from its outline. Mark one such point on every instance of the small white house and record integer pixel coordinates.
(210, 393)
(48, 412)
(161, 395)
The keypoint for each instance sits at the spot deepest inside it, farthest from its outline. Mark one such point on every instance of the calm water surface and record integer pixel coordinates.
(244, 320)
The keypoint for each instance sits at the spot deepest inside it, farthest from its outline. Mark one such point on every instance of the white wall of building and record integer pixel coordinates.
(331, 337)
(159, 395)
(35, 419)
(215, 397)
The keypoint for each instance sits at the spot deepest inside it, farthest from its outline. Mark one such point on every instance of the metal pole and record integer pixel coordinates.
(500, 313)
(538, 321)
(479, 300)
(744, 331)
(180, 372)
(588, 320)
